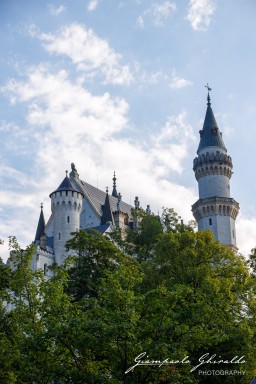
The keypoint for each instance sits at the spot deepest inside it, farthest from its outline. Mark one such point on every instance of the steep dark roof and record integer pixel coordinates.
(106, 212)
(210, 135)
(97, 197)
(49, 241)
(40, 225)
(66, 185)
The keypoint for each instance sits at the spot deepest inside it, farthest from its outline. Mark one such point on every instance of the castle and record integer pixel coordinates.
(76, 204)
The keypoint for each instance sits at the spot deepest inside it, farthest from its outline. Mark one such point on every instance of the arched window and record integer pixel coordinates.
(210, 221)
(68, 220)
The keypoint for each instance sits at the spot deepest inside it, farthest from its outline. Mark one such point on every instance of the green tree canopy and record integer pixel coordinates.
(185, 296)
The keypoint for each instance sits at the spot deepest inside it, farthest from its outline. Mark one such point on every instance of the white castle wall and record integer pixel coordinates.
(42, 259)
(213, 185)
(223, 228)
(88, 218)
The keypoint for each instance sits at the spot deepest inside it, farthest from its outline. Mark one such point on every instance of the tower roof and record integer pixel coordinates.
(210, 135)
(107, 212)
(40, 225)
(66, 185)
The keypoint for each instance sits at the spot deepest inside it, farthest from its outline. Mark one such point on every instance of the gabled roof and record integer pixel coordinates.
(40, 226)
(66, 185)
(210, 135)
(97, 197)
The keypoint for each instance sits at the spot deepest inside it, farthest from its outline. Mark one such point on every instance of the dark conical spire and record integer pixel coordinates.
(114, 192)
(66, 185)
(40, 225)
(210, 135)
(107, 212)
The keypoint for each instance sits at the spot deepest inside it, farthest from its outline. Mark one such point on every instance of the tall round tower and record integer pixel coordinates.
(215, 210)
(66, 204)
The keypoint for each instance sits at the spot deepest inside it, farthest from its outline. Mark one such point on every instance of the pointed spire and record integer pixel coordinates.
(66, 185)
(40, 225)
(210, 135)
(114, 192)
(208, 96)
(106, 211)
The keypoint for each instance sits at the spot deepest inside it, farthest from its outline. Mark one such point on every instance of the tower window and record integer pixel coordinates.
(59, 236)
(210, 221)
(68, 220)
(45, 268)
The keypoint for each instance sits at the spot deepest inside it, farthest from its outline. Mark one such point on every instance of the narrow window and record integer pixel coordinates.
(68, 219)
(45, 268)
(59, 236)
(210, 221)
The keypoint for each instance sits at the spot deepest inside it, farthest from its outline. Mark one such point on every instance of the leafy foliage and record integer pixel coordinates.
(177, 294)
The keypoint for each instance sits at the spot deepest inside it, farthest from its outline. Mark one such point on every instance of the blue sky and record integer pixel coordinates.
(119, 85)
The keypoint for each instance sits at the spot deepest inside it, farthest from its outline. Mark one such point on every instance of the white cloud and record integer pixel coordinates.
(161, 11)
(179, 82)
(157, 14)
(171, 145)
(92, 5)
(140, 22)
(67, 123)
(200, 13)
(246, 234)
(90, 53)
(56, 11)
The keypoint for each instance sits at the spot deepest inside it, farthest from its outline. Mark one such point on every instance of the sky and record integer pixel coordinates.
(120, 86)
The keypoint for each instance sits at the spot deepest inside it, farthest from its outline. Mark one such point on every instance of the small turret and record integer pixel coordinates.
(40, 226)
(107, 215)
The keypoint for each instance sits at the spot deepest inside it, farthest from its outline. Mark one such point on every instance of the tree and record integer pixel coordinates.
(103, 308)
(94, 255)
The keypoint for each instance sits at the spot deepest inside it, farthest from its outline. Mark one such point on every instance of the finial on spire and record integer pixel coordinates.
(42, 205)
(66, 173)
(107, 190)
(114, 192)
(208, 96)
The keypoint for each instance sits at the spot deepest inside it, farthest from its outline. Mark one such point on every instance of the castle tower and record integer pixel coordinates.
(215, 210)
(66, 208)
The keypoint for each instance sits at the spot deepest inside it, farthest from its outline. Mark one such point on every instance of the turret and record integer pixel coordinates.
(215, 209)
(66, 204)
(107, 215)
(40, 227)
